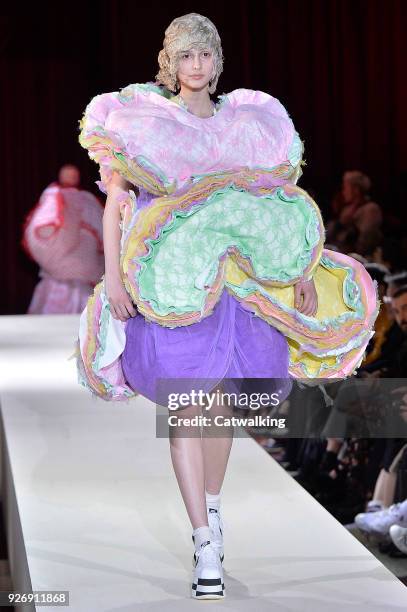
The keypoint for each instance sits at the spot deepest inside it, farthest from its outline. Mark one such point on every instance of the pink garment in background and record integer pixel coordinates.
(64, 235)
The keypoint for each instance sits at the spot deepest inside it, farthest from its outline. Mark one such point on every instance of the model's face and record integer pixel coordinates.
(399, 306)
(195, 68)
(69, 176)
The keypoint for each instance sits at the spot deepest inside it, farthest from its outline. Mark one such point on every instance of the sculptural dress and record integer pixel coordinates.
(63, 234)
(211, 247)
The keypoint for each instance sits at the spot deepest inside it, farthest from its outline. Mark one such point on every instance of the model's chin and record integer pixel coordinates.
(196, 84)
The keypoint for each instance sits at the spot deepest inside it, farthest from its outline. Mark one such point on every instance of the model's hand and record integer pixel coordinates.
(305, 297)
(121, 305)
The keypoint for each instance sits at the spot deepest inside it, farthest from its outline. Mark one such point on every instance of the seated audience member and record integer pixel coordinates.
(359, 216)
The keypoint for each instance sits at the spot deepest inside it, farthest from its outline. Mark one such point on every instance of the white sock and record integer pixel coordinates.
(201, 534)
(212, 501)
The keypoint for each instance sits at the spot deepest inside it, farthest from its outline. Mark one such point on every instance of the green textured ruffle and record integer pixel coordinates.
(275, 232)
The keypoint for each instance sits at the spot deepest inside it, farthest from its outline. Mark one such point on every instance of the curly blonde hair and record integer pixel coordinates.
(183, 33)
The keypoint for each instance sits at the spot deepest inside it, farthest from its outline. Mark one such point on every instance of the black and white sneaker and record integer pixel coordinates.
(207, 581)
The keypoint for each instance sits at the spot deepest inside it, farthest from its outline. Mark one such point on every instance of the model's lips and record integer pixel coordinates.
(196, 76)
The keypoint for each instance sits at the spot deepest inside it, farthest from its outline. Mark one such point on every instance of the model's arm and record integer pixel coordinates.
(121, 305)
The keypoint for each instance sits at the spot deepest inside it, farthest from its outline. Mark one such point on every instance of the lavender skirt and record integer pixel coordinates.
(232, 344)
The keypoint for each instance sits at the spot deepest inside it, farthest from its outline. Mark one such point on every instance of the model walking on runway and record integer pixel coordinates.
(214, 260)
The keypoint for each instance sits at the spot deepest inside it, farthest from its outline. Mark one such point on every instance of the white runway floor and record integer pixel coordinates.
(93, 505)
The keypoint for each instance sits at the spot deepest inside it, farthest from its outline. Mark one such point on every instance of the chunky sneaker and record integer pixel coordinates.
(208, 582)
(381, 521)
(399, 536)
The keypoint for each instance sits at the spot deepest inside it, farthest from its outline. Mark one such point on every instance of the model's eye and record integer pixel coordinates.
(207, 53)
(185, 55)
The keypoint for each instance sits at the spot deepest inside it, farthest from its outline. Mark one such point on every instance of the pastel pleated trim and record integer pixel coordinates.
(134, 132)
(175, 251)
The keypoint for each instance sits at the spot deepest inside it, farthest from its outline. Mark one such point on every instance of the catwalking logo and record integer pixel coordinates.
(226, 421)
(207, 400)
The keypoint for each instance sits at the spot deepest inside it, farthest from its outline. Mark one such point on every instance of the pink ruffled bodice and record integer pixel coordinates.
(250, 129)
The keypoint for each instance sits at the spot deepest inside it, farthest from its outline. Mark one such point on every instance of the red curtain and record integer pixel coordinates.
(337, 65)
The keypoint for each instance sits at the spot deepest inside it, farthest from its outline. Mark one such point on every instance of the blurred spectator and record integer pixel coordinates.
(358, 220)
(359, 209)
(64, 235)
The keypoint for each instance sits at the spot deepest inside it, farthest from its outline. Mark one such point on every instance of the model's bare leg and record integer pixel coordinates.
(200, 463)
(217, 443)
(187, 459)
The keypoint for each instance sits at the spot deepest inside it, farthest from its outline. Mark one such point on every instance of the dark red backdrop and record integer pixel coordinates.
(337, 65)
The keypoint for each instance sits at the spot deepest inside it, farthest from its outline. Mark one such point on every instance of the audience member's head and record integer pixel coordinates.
(399, 306)
(355, 186)
(395, 281)
(69, 176)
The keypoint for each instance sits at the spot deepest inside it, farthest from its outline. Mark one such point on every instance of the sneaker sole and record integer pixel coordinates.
(208, 588)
